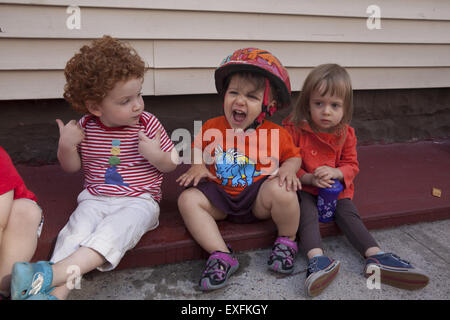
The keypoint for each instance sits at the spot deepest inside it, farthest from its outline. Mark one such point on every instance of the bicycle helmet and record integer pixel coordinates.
(262, 62)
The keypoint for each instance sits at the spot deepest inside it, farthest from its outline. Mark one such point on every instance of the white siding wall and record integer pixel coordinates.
(182, 41)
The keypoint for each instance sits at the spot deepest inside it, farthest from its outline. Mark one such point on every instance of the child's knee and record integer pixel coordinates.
(188, 197)
(279, 193)
(27, 212)
(183, 198)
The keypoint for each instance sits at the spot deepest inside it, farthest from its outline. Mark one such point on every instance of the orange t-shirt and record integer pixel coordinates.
(239, 159)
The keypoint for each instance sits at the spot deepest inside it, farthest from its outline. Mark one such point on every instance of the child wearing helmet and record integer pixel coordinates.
(239, 150)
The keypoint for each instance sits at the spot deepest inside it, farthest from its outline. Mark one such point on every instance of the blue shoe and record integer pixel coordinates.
(321, 271)
(42, 296)
(396, 272)
(29, 279)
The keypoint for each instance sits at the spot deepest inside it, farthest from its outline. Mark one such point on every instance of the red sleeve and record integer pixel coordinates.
(348, 162)
(152, 127)
(295, 135)
(10, 178)
(288, 148)
(290, 128)
(198, 139)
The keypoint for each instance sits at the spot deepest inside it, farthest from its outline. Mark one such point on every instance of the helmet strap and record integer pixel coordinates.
(264, 111)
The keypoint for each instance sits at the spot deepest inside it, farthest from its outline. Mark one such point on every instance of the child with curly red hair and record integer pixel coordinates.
(123, 151)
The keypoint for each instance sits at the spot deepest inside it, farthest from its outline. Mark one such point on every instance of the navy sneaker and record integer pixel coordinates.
(321, 271)
(219, 267)
(395, 271)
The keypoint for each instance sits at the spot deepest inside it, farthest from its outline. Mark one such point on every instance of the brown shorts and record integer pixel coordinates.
(238, 208)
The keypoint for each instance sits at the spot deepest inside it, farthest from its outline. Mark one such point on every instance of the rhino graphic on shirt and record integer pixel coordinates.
(235, 166)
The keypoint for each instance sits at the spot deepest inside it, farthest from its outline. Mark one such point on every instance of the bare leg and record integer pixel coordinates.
(6, 201)
(279, 204)
(83, 260)
(19, 238)
(200, 217)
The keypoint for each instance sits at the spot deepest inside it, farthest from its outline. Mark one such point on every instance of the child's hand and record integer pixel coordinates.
(326, 173)
(288, 173)
(195, 173)
(71, 134)
(321, 183)
(292, 181)
(150, 149)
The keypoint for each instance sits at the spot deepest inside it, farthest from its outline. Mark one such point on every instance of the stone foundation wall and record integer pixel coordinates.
(28, 131)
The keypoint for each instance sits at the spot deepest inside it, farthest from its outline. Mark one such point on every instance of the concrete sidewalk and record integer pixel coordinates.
(425, 245)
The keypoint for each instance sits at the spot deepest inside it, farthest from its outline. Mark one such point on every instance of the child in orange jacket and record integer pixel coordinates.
(319, 125)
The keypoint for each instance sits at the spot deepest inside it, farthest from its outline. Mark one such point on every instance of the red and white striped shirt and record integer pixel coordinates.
(111, 161)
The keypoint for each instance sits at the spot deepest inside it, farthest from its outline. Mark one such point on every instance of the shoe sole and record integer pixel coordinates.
(399, 277)
(317, 282)
(205, 285)
(277, 266)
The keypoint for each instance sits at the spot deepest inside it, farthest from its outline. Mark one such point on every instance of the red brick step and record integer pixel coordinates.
(393, 188)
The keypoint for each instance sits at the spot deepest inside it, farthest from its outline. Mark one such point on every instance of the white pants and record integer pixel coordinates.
(109, 225)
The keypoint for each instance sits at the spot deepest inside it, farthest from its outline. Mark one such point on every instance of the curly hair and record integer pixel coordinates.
(95, 70)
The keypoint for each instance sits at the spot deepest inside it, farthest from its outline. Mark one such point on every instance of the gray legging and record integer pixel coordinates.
(346, 217)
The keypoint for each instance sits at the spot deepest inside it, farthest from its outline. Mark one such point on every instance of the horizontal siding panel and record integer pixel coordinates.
(30, 85)
(401, 9)
(50, 22)
(198, 81)
(53, 54)
(398, 78)
(45, 84)
(208, 54)
(182, 41)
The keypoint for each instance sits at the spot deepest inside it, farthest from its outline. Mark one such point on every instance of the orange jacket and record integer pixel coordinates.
(325, 149)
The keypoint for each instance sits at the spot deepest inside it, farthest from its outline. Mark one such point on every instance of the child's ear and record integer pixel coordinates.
(93, 108)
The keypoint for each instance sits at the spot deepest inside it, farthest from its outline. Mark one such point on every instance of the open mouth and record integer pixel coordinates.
(239, 116)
